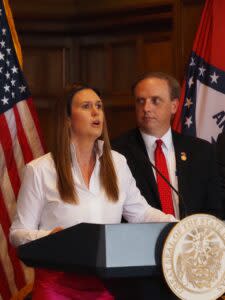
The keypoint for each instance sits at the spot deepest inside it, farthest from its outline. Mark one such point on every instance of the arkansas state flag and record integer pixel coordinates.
(202, 105)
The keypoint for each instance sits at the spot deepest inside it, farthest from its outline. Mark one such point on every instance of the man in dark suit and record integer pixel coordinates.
(221, 163)
(191, 163)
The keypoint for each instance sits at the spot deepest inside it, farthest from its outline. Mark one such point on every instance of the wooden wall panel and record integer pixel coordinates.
(190, 14)
(105, 44)
(47, 124)
(45, 72)
(93, 66)
(124, 66)
(119, 119)
(158, 60)
(43, 67)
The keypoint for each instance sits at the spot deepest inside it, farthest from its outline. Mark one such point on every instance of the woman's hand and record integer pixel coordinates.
(56, 229)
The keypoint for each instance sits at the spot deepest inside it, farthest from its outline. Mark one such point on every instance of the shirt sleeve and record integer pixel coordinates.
(30, 203)
(136, 209)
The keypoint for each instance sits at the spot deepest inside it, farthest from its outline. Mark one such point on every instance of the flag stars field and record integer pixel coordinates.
(7, 75)
(190, 81)
(2, 56)
(192, 63)
(14, 70)
(2, 43)
(188, 121)
(201, 71)
(6, 88)
(188, 102)
(214, 77)
(5, 100)
(22, 88)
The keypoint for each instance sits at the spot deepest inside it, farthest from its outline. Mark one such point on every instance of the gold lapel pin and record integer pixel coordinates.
(183, 156)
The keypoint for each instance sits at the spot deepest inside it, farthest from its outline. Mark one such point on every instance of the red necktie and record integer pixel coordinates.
(165, 193)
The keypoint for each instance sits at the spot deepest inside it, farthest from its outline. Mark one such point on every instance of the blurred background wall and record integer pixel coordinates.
(105, 43)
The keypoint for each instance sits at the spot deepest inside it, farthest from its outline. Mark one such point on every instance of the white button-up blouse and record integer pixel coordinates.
(40, 208)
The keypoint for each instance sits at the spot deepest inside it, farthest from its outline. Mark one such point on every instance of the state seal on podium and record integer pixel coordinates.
(193, 258)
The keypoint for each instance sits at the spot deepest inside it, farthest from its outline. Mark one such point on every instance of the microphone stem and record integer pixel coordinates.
(173, 188)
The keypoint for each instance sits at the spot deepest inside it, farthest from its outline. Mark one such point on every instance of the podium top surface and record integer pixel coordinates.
(99, 248)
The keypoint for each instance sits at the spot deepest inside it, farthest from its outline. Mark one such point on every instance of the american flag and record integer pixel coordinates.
(20, 142)
(202, 105)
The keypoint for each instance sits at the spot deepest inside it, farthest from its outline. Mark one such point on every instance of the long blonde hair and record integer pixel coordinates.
(61, 151)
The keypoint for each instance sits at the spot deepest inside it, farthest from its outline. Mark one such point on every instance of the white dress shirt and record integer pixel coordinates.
(169, 152)
(40, 208)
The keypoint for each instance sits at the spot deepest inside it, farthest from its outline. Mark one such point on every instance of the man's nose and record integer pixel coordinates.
(147, 105)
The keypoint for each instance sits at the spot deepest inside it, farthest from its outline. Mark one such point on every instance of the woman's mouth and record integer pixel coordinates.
(96, 123)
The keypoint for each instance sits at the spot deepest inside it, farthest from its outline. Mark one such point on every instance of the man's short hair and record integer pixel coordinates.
(173, 84)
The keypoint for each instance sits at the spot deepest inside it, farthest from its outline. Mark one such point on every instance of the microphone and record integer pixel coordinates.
(181, 200)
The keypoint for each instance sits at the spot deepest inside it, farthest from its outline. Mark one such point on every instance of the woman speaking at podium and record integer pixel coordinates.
(81, 180)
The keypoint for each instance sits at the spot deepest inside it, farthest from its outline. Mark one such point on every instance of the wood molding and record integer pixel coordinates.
(62, 9)
(65, 17)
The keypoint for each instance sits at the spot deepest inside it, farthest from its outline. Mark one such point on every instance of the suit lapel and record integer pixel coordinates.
(182, 161)
(137, 146)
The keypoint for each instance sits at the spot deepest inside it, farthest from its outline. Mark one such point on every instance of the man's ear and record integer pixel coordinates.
(174, 105)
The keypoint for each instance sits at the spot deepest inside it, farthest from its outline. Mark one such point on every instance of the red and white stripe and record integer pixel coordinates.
(20, 143)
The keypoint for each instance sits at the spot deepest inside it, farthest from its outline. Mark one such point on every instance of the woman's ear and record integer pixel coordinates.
(68, 122)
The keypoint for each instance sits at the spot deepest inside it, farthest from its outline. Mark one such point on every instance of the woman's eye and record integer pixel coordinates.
(99, 105)
(85, 105)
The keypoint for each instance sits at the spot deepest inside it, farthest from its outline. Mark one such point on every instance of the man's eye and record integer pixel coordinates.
(156, 100)
(140, 101)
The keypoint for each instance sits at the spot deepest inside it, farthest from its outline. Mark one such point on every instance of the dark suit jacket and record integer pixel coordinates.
(198, 179)
(221, 162)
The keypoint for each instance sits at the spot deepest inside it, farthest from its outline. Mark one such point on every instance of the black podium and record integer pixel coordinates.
(126, 256)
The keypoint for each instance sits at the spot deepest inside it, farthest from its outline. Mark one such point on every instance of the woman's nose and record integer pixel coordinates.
(94, 110)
